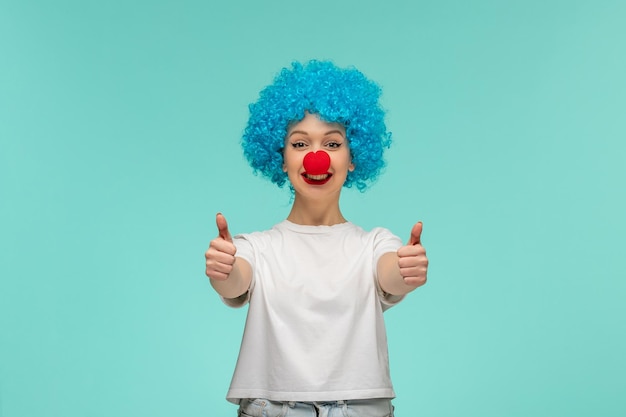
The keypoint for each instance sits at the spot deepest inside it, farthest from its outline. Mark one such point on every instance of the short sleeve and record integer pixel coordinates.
(244, 248)
(384, 242)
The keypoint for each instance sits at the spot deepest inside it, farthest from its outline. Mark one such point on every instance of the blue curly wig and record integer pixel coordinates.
(337, 95)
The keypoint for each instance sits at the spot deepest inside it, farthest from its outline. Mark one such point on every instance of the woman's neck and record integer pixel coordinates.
(315, 213)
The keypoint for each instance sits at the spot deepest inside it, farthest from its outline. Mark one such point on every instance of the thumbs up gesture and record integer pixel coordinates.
(220, 256)
(412, 259)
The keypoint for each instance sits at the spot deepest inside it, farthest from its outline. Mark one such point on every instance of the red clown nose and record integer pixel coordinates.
(316, 163)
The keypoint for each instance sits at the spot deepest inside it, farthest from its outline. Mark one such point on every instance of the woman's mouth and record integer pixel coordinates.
(316, 179)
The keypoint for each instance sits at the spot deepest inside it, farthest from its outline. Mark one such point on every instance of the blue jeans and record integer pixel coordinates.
(349, 408)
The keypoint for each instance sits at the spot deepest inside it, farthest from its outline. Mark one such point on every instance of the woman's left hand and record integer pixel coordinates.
(412, 259)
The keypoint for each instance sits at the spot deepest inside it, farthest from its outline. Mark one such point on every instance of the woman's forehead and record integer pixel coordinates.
(313, 122)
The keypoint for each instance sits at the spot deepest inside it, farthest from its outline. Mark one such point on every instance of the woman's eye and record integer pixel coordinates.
(298, 144)
(333, 144)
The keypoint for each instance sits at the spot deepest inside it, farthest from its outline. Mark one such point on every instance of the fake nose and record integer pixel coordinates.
(316, 163)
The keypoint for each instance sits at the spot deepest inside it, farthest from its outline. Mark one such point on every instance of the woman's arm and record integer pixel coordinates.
(229, 275)
(403, 271)
(237, 282)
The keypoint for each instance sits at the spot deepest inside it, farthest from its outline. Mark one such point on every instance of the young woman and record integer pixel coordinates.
(317, 285)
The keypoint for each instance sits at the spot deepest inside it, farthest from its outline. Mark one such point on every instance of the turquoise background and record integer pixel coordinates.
(119, 141)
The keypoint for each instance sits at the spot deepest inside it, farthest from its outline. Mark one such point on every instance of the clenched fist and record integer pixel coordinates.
(220, 256)
(412, 259)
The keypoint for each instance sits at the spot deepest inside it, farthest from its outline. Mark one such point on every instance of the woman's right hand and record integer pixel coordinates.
(220, 257)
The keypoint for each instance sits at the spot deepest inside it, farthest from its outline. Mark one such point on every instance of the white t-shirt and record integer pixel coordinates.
(315, 329)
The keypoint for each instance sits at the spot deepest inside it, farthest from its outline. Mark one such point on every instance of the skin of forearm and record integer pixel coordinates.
(389, 277)
(238, 281)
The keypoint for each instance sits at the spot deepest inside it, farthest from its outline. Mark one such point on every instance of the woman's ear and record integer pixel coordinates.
(351, 166)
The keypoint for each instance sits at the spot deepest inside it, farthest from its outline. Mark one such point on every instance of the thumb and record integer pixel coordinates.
(416, 234)
(222, 227)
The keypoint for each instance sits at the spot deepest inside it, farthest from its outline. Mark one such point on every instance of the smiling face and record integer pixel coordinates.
(308, 170)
